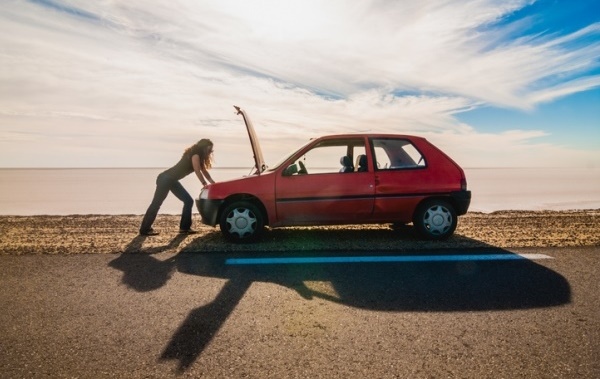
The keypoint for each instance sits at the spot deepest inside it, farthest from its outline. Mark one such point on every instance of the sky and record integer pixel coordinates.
(109, 83)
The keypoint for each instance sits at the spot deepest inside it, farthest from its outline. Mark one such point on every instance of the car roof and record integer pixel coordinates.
(370, 135)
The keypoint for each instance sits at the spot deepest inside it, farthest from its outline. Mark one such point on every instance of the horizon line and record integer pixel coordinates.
(247, 167)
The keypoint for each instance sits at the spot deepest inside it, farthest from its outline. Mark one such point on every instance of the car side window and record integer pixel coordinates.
(393, 154)
(337, 156)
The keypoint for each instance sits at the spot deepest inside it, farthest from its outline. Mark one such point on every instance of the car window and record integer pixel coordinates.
(326, 157)
(393, 154)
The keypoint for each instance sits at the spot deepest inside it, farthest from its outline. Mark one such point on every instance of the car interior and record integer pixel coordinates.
(361, 163)
(346, 163)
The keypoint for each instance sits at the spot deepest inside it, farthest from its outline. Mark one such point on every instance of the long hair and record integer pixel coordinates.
(204, 150)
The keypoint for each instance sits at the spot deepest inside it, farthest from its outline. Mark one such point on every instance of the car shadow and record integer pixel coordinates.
(454, 280)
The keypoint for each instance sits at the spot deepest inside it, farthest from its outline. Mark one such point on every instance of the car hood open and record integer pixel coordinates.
(256, 150)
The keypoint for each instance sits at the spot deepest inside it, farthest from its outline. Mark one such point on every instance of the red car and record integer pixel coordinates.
(342, 179)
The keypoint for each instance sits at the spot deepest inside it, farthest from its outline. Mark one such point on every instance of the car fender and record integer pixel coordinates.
(257, 188)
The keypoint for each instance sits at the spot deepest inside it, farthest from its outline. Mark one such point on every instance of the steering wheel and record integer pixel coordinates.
(302, 168)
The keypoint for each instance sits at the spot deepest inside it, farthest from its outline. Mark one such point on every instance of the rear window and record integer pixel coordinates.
(392, 154)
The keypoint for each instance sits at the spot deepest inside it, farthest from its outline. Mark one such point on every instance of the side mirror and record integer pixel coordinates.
(290, 170)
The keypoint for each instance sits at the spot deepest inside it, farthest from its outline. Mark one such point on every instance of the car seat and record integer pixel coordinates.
(361, 163)
(346, 163)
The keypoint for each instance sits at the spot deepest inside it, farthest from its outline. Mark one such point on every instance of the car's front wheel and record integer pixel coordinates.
(435, 219)
(241, 221)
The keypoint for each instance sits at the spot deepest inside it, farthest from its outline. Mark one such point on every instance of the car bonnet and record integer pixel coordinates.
(256, 150)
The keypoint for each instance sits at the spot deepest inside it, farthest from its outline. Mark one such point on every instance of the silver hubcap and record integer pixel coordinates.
(437, 220)
(241, 222)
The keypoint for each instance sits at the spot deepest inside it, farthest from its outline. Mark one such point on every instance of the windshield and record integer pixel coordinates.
(287, 157)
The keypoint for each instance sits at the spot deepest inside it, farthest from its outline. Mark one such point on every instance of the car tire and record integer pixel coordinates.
(241, 221)
(435, 219)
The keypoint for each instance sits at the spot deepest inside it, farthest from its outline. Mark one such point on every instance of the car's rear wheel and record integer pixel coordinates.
(435, 219)
(242, 221)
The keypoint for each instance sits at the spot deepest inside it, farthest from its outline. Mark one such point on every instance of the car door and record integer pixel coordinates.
(324, 191)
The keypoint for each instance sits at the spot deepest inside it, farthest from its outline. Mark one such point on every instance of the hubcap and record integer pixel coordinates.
(241, 222)
(437, 220)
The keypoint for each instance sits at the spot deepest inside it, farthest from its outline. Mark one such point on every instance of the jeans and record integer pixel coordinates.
(164, 184)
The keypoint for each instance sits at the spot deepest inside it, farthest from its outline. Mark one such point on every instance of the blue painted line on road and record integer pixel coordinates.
(385, 258)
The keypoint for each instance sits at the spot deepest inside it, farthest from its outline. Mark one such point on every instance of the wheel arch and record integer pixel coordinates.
(447, 198)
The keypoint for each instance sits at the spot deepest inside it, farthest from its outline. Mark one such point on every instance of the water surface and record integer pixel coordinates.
(129, 190)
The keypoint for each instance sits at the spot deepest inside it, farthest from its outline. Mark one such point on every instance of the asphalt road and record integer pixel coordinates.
(205, 315)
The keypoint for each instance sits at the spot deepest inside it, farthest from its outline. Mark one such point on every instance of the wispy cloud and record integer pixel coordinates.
(165, 73)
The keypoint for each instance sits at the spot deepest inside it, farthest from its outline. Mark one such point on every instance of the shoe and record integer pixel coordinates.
(149, 232)
(188, 231)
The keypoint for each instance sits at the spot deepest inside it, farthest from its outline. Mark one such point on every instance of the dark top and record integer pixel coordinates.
(184, 167)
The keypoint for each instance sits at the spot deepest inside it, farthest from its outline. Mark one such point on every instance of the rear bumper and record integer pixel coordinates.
(209, 210)
(461, 201)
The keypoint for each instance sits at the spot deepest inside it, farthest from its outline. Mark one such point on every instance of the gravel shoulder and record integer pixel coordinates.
(111, 234)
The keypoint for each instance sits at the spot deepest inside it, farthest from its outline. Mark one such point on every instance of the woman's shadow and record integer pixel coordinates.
(143, 272)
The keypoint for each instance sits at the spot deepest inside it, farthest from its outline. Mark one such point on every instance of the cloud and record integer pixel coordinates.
(145, 78)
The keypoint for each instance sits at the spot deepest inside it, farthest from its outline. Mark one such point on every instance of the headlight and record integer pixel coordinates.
(204, 193)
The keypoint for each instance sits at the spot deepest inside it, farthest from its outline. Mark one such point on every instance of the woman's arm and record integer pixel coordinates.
(200, 171)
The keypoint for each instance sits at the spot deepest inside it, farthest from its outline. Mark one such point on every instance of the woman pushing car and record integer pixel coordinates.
(196, 158)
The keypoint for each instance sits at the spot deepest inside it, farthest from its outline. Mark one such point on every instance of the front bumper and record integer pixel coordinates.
(209, 210)
(461, 201)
